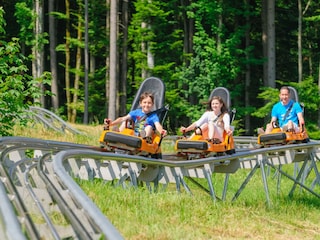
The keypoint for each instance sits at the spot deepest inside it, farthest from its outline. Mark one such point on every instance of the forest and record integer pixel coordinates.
(85, 60)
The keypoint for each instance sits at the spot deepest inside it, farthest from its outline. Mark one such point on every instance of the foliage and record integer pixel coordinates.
(217, 59)
(25, 18)
(17, 88)
(159, 36)
(270, 96)
(196, 45)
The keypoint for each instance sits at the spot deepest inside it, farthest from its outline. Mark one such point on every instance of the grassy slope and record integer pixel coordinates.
(139, 214)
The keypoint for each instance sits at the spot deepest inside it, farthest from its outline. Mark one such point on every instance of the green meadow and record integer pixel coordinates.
(168, 214)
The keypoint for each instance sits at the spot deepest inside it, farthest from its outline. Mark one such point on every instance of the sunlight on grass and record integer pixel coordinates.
(139, 214)
(168, 214)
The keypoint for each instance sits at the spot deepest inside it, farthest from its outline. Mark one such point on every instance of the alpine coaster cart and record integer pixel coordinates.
(198, 146)
(280, 137)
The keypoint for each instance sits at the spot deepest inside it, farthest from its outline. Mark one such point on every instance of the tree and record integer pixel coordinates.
(53, 56)
(113, 60)
(271, 48)
(67, 60)
(78, 71)
(124, 58)
(37, 50)
(17, 88)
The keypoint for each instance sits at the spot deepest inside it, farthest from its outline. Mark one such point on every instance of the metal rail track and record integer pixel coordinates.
(37, 205)
(40, 200)
(51, 121)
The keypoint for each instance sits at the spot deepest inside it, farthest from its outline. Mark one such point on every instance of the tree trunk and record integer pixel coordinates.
(188, 30)
(248, 72)
(113, 60)
(86, 65)
(319, 94)
(124, 67)
(220, 22)
(53, 57)
(78, 69)
(107, 57)
(264, 17)
(37, 66)
(67, 67)
(144, 73)
(299, 42)
(271, 44)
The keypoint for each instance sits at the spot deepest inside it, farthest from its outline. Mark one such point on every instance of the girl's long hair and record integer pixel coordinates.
(224, 109)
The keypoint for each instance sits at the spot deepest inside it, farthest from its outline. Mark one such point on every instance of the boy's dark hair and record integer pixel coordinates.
(145, 95)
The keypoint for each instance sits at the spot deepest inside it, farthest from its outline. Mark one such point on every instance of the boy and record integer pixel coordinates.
(145, 121)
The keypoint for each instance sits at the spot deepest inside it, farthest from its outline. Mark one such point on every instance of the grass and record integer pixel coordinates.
(167, 214)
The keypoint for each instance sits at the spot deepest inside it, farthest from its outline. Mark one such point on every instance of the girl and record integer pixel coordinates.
(216, 120)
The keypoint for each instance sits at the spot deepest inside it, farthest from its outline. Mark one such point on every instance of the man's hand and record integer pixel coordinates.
(302, 128)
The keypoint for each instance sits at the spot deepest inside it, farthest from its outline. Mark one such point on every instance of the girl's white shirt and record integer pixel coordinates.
(211, 116)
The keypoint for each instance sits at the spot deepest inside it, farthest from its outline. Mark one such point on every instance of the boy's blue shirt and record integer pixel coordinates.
(137, 114)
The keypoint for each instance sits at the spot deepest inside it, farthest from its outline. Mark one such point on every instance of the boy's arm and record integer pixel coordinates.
(160, 129)
(120, 120)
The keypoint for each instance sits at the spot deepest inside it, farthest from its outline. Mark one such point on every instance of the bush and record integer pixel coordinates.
(17, 88)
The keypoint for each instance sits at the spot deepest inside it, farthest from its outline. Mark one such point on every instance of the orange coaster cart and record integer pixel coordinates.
(277, 136)
(197, 146)
(126, 141)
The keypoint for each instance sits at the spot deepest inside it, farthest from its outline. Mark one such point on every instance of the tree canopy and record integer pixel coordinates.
(193, 46)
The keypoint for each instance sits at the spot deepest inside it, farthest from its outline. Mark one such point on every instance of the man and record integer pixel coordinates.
(287, 112)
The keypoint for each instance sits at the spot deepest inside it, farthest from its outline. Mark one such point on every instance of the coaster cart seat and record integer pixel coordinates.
(198, 146)
(279, 137)
(126, 141)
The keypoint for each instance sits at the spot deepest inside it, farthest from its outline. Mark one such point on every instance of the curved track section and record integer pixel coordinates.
(36, 204)
(39, 198)
(51, 120)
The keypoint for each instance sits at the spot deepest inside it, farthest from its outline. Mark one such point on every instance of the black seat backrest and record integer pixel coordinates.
(225, 95)
(157, 88)
(293, 94)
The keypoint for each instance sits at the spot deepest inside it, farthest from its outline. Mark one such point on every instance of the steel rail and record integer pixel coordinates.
(50, 120)
(62, 153)
(37, 201)
(11, 228)
(15, 144)
(178, 167)
(66, 208)
(16, 207)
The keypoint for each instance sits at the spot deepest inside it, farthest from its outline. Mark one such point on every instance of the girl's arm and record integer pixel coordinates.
(189, 128)
(200, 122)
(226, 122)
